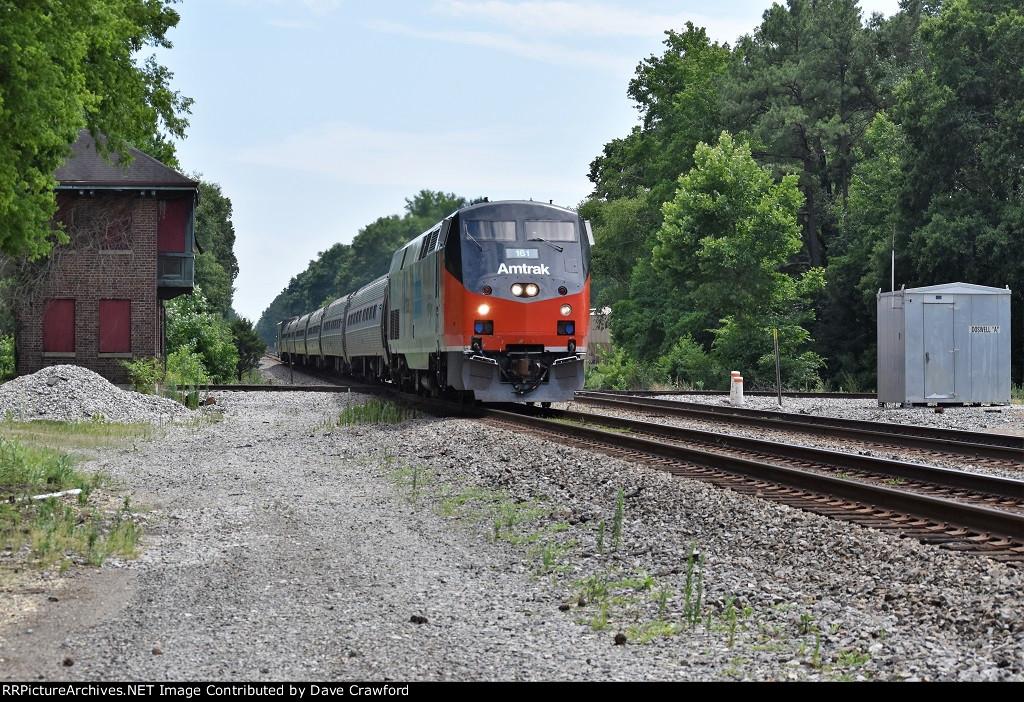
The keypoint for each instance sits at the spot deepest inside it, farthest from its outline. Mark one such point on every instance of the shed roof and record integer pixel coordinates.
(86, 168)
(962, 288)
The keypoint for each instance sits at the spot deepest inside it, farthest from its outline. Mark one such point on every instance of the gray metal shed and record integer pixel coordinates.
(944, 344)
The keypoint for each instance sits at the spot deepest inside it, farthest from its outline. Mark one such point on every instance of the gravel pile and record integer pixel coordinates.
(70, 393)
(278, 547)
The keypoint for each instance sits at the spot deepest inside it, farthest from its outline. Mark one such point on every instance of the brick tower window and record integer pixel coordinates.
(59, 326)
(115, 326)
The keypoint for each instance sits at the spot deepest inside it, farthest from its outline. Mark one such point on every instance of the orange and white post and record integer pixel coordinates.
(736, 389)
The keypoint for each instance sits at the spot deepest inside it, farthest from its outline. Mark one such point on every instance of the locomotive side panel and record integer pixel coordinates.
(416, 296)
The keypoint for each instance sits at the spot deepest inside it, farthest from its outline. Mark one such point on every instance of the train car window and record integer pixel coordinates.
(550, 231)
(491, 231)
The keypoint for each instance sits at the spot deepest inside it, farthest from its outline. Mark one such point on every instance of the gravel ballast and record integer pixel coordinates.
(444, 549)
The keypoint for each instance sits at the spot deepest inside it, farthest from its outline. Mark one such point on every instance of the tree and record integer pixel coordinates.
(192, 326)
(69, 65)
(677, 96)
(802, 89)
(874, 222)
(249, 344)
(216, 267)
(725, 239)
(678, 100)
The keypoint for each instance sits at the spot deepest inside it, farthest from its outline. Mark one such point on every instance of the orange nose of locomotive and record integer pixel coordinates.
(527, 315)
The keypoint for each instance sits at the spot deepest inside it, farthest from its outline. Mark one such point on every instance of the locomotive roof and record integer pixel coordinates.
(520, 207)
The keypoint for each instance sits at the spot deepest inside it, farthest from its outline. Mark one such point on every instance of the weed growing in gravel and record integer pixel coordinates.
(414, 478)
(805, 625)
(376, 411)
(663, 596)
(855, 658)
(694, 588)
(600, 536)
(648, 631)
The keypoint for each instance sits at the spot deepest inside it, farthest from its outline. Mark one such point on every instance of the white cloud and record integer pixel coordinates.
(489, 161)
(536, 51)
(576, 18)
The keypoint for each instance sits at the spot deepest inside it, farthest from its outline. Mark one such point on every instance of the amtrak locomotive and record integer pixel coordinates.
(491, 304)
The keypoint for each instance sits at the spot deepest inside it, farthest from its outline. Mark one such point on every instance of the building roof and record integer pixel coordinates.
(86, 168)
(961, 288)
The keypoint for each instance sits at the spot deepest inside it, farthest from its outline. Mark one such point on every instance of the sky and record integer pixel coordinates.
(316, 117)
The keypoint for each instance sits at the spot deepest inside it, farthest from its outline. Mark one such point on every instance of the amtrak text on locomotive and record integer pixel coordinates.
(524, 270)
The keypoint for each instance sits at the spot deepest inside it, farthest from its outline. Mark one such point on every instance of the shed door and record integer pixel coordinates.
(939, 356)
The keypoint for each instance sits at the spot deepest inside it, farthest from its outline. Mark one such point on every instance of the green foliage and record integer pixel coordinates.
(861, 259)
(214, 228)
(215, 283)
(678, 100)
(725, 240)
(6, 357)
(194, 330)
(186, 368)
(144, 373)
(962, 198)
(217, 266)
(688, 366)
(617, 371)
(53, 529)
(802, 88)
(621, 229)
(67, 66)
(693, 590)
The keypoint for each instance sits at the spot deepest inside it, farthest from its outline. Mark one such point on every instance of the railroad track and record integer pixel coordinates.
(959, 511)
(962, 511)
(1003, 448)
(757, 393)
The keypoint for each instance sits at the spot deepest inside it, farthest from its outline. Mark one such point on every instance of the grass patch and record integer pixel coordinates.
(376, 411)
(66, 529)
(96, 433)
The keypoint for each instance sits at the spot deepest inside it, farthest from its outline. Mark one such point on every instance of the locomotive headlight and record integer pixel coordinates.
(517, 290)
(483, 309)
(532, 290)
(566, 310)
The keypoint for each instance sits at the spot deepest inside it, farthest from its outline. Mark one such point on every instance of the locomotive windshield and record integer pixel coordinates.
(550, 231)
(490, 231)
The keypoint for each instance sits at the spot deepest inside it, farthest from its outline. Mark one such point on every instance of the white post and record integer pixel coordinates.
(736, 389)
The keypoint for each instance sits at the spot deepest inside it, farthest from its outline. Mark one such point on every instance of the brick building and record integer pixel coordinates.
(99, 299)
